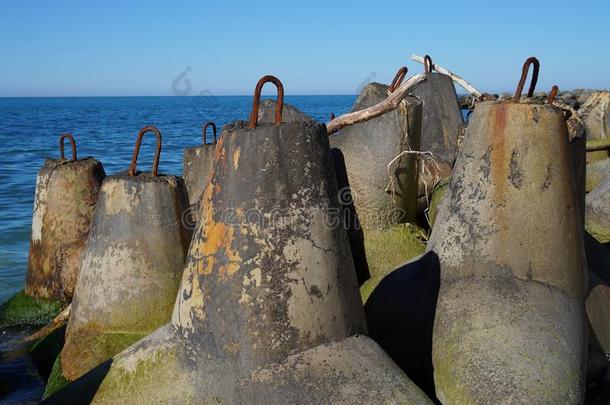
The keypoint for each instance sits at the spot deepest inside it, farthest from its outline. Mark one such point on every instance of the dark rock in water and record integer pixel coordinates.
(19, 381)
(400, 315)
(266, 113)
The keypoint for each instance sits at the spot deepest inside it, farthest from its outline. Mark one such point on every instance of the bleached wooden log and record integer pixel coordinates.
(381, 108)
(57, 322)
(457, 79)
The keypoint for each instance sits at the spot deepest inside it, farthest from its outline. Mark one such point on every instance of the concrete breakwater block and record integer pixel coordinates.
(509, 320)
(196, 164)
(442, 118)
(383, 180)
(597, 212)
(268, 310)
(66, 194)
(131, 268)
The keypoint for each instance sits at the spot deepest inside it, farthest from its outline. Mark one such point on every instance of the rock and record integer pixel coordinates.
(597, 212)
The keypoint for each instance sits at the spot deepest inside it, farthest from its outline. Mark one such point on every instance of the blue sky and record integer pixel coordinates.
(78, 48)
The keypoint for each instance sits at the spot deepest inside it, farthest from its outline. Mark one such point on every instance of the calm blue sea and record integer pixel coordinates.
(106, 128)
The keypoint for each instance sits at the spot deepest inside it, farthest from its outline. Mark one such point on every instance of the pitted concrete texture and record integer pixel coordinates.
(66, 194)
(383, 177)
(131, 268)
(442, 118)
(509, 325)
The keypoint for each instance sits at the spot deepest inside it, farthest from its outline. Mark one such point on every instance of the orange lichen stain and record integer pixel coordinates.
(217, 250)
(499, 162)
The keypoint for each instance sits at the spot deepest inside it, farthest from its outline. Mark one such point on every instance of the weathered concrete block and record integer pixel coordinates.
(66, 194)
(382, 195)
(597, 212)
(510, 323)
(269, 307)
(442, 117)
(131, 268)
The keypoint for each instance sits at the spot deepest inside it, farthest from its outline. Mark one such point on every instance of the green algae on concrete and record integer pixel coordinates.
(437, 196)
(56, 379)
(22, 309)
(388, 248)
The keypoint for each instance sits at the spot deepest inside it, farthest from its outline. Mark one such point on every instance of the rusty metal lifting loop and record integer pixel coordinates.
(332, 116)
(61, 146)
(136, 151)
(257, 96)
(205, 128)
(400, 75)
(428, 64)
(552, 94)
(526, 67)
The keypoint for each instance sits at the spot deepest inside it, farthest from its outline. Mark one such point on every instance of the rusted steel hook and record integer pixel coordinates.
(526, 67)
(552, 94)
(332, 116)
(257, 97)
(428, 64)
(136, 151)
(72, 143)
(400, 75)
(205, 128)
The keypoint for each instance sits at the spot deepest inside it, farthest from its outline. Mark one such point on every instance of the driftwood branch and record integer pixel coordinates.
(57, 322)
(463, 83)
(389, 104)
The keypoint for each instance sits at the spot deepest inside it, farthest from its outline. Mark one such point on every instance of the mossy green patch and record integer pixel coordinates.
(56, 379)
(598, 231)
(84, 352)
(389, 248)
(22, 309)
(438, 193)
